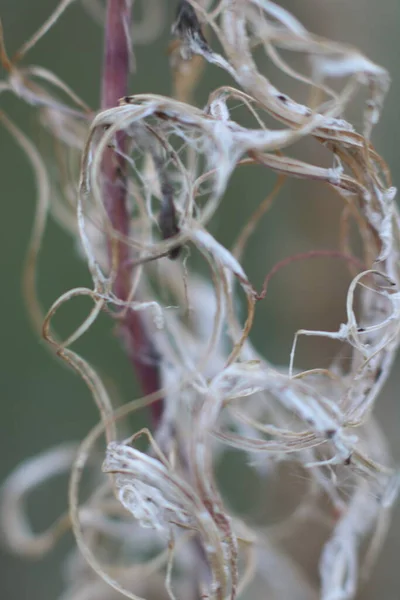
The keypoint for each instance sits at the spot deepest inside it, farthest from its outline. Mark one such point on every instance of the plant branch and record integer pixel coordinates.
(134, 330)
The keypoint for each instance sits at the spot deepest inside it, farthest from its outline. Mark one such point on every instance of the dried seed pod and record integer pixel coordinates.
(168, 220)
(188, 29)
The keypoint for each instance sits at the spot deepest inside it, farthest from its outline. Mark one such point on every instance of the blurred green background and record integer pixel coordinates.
(44, 404)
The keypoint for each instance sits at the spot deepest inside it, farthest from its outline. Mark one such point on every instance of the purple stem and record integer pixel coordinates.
(134, 331)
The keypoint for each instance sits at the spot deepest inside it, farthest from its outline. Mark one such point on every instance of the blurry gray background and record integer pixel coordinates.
(42, 403)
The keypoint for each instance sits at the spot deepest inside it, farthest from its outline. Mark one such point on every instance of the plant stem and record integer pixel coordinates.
(134, 330)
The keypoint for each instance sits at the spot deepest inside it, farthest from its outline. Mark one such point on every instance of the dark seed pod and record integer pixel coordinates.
(187, 27)
(167, 219)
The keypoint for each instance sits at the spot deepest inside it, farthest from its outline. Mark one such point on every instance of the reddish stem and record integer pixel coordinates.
(134, 330)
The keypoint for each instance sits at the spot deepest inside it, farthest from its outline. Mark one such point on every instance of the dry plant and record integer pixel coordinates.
(137, 184)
